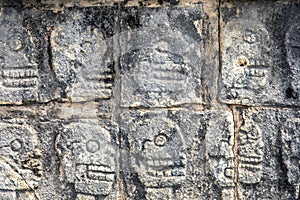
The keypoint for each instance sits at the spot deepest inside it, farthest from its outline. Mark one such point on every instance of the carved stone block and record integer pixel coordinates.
(19, 75)
(160, 61)
(219, 149)
(290, 137)
(267, 152)
(82, 62)
(158, 149)
(292, 43)
(149, 99)
(20, 164)
(162, 148)
(259, 63)
(89, 156)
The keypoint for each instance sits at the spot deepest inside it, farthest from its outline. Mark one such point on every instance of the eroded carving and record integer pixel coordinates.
(80, 61)
(18, 60)
(88, 152)
(159, 75)
(250, 152)
(290, 136)
(161, 63)
(292, 42)
(20, 165)
(220, 155)
(157, 151)
(246, 60)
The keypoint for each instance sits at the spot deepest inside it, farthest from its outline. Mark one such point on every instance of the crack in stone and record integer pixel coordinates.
(237, 124)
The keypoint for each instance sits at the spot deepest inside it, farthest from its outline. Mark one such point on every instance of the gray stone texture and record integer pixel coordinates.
(269, 162)
(259, 50)
(155, 99)
(81, 62)
(161, 61)
(25, 75)
(164, 153)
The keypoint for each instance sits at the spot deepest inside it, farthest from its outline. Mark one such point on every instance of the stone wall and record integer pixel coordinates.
(165, 99)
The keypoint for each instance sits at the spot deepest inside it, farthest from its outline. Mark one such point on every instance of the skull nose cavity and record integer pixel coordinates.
(242, 61)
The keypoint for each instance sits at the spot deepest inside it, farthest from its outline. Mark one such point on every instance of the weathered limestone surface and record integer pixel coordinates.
(175, 99)
(266, 152)
(166, 151)
(260, 53)
(25, 75)
(160, 60)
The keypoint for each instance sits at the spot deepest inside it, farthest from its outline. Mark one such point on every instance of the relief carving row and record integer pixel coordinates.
(95, 154)
(85, 66)
(122, 67)
(151, 152)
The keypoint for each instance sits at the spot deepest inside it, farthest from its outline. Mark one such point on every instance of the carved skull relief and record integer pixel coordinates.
(89, 156)
(158, 153)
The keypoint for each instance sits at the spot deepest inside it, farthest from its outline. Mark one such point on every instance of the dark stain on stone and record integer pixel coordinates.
(170, 2)
(290, 93)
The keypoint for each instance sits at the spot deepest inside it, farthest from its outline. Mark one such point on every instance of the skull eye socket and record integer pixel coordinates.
(16, 145)
(92, 146)
(15, 43)
(160, 140)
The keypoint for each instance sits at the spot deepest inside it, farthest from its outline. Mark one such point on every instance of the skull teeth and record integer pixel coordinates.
(256, 72)
(99, 168)
(250, 167)
(100, 173)
(166, 167)
(257, 62)
(250, 159)
(167, 173)
(100, 176)
(20, 73)
(164, 163)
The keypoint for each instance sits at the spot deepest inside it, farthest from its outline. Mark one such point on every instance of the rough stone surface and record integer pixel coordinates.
(260, 64)
(161, 61)
(156, 99)
(81, 61)
(266, 153)
(165, 153)
(89, 156)
(24, 75)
